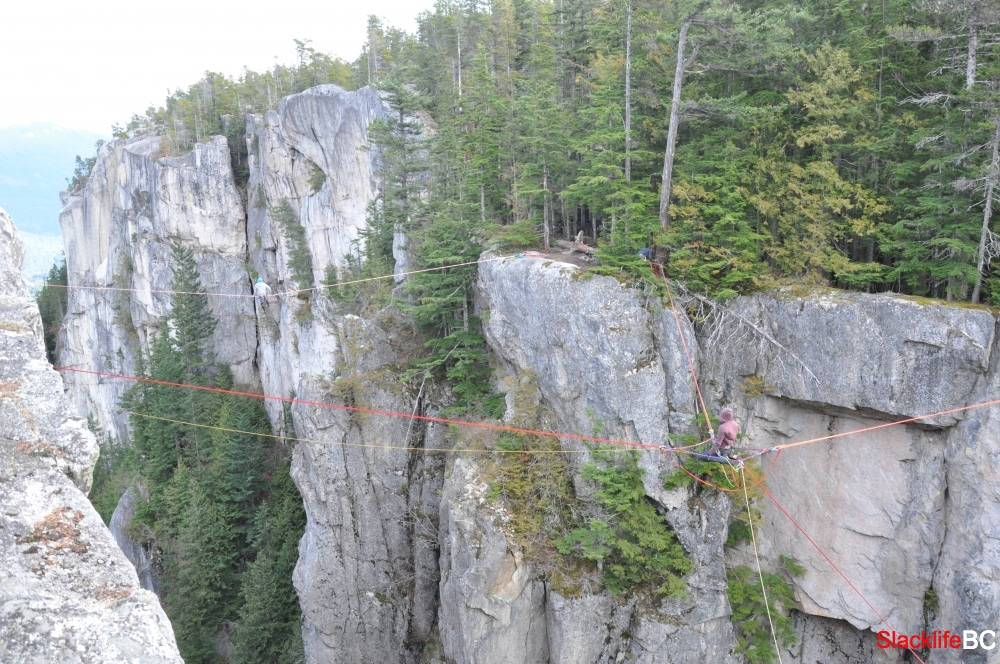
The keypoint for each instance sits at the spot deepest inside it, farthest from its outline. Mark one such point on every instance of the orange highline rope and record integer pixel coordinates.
(992, 402)
(371, 411)
(680, 331)
(343, 444)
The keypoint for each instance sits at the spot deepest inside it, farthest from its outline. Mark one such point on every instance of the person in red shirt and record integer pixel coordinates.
(722, 444)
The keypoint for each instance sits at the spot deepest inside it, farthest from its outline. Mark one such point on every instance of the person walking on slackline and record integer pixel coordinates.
(261, 291)
(722, 444)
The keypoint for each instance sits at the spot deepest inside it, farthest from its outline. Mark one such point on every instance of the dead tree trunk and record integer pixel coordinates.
(545, 202)
(971, 63)
(628, 95)
(675, 111)
(991, 183)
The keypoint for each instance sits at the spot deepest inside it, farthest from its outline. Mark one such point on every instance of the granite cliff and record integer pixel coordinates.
(67, 593)
(406, 557)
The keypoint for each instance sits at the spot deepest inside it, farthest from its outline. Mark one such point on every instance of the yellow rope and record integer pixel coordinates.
(760, 572)
(378, 447)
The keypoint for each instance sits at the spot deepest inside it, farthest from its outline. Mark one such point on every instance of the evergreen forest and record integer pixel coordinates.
(851, 144)
(219, 510)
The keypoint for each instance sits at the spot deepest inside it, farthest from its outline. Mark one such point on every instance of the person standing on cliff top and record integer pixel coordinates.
(722, 445)
(261, 290)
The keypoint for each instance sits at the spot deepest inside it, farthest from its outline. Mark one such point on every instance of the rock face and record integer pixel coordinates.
(367, 573)
(67, 594)
(311, 154)
(492, 604)
(137, 554)
(405, 558)
(620, 368)
(118, 233)
(357, 574)
(900, 509)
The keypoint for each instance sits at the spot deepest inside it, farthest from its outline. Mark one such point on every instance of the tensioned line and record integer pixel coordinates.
(288, 292)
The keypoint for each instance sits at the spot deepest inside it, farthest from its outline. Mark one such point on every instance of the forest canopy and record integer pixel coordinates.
(850, 143)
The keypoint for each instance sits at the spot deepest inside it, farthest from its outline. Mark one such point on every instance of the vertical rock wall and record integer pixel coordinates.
(367, 571)
(606, 360)
(117, 233)
(67, 593)
(901, 510)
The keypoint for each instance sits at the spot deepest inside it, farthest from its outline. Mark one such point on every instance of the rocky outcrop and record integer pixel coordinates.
(831, 641)
(312, 153)
(884, 504)
(118, 232)
(882, 354)
(356, 576)
(965, 585)
(367, 571)
(137, 554)
(492, 603)
(607, 360)
(67, 594)
(899, 509)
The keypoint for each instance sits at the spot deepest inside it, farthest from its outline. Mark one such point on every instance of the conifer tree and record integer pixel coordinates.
(52, 301)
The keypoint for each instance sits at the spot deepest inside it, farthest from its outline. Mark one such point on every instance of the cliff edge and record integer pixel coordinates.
(67, 593)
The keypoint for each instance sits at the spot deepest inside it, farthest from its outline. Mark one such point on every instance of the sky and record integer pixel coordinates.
(87, 64)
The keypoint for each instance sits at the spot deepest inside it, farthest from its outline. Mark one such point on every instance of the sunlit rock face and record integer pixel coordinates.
(67, 593)
(118, 231)
(313, 154)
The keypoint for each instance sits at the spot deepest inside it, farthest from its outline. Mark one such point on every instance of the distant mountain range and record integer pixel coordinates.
(40, 252)
(35, 161)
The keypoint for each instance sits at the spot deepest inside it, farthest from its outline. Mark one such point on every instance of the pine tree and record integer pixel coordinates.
(204, 581)
(52, 301)
(270, 629)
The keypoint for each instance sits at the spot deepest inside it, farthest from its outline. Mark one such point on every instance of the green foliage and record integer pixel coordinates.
(818, 144)
(114, 472)
(82, 171)
(221, 511)
(495, 405)
(296, 246)
(792, 565)
(514, 237)
(739, 532)
(269, 628)
(529, 475)
(52, 301)
(754, 638)
(636, 548)
(202, 575)
(536, 488)
(216, 105)
(443, 308)
(317, 179)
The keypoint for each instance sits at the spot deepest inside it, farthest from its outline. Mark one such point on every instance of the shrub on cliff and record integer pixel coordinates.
(634, 547)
